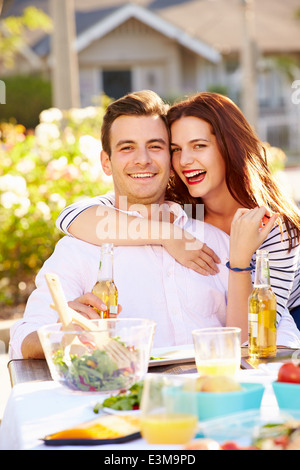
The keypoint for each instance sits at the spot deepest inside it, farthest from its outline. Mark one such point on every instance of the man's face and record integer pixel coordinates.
(140, 161)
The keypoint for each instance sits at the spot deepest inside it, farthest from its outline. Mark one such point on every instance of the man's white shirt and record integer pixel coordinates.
(151, 284)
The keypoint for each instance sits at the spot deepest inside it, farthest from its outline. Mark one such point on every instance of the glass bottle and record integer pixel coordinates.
(105, 287)
(262, 311)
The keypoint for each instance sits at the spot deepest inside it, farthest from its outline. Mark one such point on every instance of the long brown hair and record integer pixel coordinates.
(248, 177)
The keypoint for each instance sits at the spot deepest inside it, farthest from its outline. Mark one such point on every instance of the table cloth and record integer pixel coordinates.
(36, 409)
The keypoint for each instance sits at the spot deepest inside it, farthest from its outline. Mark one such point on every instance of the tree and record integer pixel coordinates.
(13, 31)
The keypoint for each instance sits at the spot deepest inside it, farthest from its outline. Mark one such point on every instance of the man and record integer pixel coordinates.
(150, 282)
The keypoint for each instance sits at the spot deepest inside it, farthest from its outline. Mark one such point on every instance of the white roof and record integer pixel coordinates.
(152, 20)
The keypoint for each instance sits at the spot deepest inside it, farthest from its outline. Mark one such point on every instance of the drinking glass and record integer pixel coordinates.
(217, 350)
(168, 409)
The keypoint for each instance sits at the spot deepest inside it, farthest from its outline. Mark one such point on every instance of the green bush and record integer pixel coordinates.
(26, 97)
(41, 172)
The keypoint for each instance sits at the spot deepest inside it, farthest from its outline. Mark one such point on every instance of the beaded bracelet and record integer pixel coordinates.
(239, 269)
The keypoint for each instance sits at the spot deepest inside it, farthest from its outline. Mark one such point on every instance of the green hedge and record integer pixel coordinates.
(26, 97)
(40, 173)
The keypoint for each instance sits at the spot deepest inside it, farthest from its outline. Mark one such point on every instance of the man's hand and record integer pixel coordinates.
(85, 303)
(31, 347)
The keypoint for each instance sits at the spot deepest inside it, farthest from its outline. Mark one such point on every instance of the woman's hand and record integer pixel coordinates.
(193, 254)
(85, 303)
(249, 229)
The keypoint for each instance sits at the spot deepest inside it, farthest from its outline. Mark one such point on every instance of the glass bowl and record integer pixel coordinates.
(112, 356)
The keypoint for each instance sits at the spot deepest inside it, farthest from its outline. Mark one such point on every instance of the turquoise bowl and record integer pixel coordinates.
(214, 405)
(287, 395)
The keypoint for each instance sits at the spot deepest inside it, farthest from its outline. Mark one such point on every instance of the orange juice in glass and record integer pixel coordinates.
(217, 367)
(167, 416)
(217, 350)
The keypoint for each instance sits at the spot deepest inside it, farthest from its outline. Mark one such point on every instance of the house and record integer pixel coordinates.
(177, 47)
(128, 47)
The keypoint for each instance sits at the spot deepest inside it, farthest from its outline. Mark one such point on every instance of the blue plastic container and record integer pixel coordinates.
(287, 395)
(213, 405)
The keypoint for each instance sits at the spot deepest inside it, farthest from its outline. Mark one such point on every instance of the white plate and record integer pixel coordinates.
(111, 411)
(172, 355)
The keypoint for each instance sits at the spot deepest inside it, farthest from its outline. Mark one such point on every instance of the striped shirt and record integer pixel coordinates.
(284, 265)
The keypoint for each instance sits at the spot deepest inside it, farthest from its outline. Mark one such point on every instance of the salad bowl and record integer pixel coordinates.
(111, 356)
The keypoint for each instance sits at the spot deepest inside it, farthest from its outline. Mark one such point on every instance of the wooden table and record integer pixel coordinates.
(28, 370)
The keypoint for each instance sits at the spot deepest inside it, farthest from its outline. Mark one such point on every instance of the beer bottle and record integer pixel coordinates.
(262, 311)
(105, 287)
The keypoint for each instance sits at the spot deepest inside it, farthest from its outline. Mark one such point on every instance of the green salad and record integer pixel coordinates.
(125, 400)
(95, 372)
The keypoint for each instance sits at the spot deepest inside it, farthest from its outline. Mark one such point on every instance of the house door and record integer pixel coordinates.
(117, 83)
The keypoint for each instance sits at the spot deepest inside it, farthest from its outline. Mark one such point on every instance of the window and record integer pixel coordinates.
(117, 83)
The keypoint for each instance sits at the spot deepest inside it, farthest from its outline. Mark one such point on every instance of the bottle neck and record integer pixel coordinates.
(262, 271)
(106, 265)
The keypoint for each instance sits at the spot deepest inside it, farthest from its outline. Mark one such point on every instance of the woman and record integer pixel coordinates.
(239, 157)
(220, 163)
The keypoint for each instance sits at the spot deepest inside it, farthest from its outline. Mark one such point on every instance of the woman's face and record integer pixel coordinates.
(196, 157)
